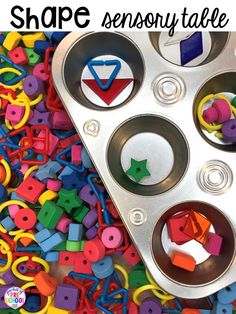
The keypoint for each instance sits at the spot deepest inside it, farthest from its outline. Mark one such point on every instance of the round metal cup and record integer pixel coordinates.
(218, 42)
(156, 125)
(215, 266)
(93, 45)
(223, 82)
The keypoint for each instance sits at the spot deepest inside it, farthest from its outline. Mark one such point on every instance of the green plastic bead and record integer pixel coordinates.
(137, 279)
(60, 247)
(73, 246)
(33, 57)
(50, 214)
(138, 169)
(80, 216)
(233, 102)
(82, 243)
(69, 200)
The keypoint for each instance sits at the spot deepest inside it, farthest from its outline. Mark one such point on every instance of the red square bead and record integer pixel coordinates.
(131, 255)
(18, 56)
(66, 258)
(30, 190)
(82, 265)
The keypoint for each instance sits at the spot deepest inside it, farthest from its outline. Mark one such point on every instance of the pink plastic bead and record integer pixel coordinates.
(14, 113)
(219, 112)
(223, 109)
(24, 168)
(63, 224)
(76, 158)
(61, 120)
(112, 237)
(53, 141)
(13, 209)
(213, 244)
(39, 72)
(210, 115)
(54, 185)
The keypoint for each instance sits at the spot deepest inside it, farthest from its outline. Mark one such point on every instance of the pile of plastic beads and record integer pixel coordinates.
(61, 238)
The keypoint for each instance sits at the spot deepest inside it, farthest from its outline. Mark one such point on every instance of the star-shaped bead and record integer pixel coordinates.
(138, 169)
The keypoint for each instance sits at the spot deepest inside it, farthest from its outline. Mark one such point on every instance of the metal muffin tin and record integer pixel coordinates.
(163, 101)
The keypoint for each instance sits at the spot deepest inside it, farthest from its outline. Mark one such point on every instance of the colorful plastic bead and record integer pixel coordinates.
(56, 239)
(213, 243)
(175, 227)
(150, 305)
(81, 264)
(103, 268)
(131, 255)
(229, 130)
(219, 112)
(94, 250)
(25, 218)
(227, 295)
(33, 86)
(30, 190)
(49, 214)
(8, 223)
(67, 297)
(75, 232)
(12, 40)
(45, 283)
(183, 260)
(14, 113)
(63, 224)
(18, 55)
(112, 237)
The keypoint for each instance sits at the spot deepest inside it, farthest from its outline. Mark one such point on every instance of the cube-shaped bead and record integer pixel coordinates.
(30, 189)
(50, 214)
(67, 297)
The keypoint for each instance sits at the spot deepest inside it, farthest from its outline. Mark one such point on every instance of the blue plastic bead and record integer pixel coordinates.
(48, 34)
(52, 257)
(14, 196)
(227, 295)
(39, 226)
(75, 232)
(53, 241)
(73, 181)
(43, 235)
(2, 38)
(48, 170)
(58, 36)
(8, 223)
(67, 171)
(191, 48)
(219, 308)
(86, 159)
(40, 46)
(103, 268)
(32, 303)
(3, 193)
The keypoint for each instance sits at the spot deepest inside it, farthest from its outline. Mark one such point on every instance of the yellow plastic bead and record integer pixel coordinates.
(54, 310)
(12, 40)
(47, 196)
(2, 52)
(30, 39)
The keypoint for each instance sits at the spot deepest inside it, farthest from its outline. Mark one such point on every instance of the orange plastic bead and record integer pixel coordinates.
(197, 226)
(27, 241)
(183, 260)
(45, 283)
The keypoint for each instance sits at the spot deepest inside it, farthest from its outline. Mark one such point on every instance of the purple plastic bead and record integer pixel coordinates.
(3, 289)
(33, 86)
(22, 268)
(41, 106)
(67, 297)
(9, 277)
(229, 130)
(90, 219)
(41, 118)
(150, 305)
(91, 233)
(87, 195)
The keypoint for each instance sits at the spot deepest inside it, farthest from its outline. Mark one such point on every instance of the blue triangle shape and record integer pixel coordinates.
(113, 75)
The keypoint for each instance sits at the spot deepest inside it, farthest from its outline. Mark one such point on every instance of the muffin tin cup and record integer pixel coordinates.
(215, 266)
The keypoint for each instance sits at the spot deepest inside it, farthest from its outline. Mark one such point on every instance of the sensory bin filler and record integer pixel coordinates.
(157, 117)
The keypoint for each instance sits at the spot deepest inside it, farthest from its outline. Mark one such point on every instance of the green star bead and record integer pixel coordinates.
(68, 200)
(138, 169)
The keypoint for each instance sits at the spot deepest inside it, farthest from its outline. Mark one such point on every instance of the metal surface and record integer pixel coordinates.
(145, 208)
